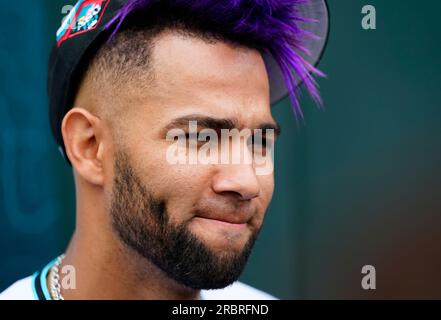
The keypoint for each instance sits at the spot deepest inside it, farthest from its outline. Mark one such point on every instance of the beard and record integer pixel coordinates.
(143, 224)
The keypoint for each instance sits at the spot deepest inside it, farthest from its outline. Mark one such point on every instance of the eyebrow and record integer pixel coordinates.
(219, 123)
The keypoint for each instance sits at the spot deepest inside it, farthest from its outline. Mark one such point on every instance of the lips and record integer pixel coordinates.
(225, 221)
(225, 210)
(235, 217)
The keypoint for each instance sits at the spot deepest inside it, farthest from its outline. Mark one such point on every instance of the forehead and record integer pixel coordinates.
(192, 75)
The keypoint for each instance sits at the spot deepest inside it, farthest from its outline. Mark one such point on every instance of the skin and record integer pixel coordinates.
(192, 79)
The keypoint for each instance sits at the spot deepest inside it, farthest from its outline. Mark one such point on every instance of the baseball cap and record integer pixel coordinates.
(83, 31)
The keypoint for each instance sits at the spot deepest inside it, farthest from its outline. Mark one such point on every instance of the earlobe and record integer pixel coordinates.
(84, 144)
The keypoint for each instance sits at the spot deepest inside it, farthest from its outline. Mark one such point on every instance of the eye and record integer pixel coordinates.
(194, 137)
(257, 141)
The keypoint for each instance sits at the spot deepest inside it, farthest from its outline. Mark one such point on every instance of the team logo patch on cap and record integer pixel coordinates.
(84, 17)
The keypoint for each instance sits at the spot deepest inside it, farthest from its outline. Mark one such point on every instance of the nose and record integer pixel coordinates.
(237, 179)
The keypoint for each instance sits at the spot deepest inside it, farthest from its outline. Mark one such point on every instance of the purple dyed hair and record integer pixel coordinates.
(274, 25)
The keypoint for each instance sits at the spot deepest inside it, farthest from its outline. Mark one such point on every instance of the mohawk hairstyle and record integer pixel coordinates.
(271, 26)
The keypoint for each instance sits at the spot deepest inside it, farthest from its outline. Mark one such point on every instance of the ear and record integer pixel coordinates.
(84, 142)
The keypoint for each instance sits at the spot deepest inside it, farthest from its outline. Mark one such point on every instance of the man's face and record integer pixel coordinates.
(197, 222)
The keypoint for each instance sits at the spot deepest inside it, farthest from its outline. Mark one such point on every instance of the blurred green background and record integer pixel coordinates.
(358, 184)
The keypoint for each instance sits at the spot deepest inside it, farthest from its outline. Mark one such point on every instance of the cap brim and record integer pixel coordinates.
(314, 9)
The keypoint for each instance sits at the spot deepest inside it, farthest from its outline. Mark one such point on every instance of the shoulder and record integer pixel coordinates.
(236, 291)
(20, 290)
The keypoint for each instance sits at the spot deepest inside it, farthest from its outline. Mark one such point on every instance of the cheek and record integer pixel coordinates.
(267, 188)
(179, 185)
(186, 185)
